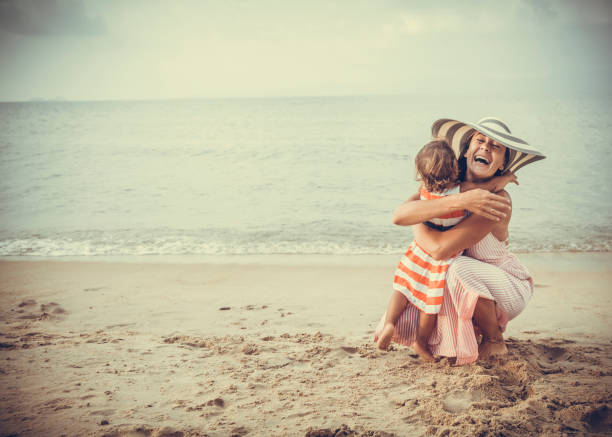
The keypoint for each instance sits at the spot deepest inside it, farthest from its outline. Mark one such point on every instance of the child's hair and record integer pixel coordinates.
(436, 166)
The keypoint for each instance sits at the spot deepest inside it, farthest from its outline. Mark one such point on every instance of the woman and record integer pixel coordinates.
(488, 285)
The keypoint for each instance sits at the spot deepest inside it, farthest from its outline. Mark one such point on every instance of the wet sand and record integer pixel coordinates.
(282, 346)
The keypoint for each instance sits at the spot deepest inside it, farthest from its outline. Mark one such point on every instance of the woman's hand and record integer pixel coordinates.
(486, 204)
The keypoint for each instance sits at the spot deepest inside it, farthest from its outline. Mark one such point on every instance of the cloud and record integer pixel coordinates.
(588, 12)
(541, 9)
(597, 12)
(48, 17)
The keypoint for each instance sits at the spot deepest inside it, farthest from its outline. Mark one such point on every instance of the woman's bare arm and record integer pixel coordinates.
(488, 205)
(443, 245)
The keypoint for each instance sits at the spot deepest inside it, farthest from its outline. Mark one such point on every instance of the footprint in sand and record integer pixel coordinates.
(254, 307)
(339, 353)
(30, 316)
(94, 289)
(51, 310)
(105, 413)
(551, 354)
(598, 419)
(146, 431)
(239, 431)
(460, 401)
(119, 325)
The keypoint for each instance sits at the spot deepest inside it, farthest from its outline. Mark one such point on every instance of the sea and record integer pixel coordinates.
(277, 176)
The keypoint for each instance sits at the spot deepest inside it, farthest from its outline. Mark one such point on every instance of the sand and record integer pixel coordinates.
(283, 346)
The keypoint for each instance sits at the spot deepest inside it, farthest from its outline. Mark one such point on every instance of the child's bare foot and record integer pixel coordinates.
(384, 340)
(491, 347)
(423, 351)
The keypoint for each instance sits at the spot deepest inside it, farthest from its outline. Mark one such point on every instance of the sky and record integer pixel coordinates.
(154, 49)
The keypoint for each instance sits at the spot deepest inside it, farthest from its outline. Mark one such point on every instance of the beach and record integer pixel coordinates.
(199, 205)
(267, 345)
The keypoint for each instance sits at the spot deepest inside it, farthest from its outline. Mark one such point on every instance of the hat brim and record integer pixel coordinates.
(457, 134)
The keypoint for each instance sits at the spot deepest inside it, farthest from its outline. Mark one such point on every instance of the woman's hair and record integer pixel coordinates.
(461, 160)
(436, 166)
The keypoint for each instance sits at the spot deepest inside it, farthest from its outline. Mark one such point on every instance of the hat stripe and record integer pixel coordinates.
(532, 158)
(441, 127)
(519, 157)
(454, 132)
(501, 134)
(450, 133)
(495, 121)
(460, 138)
(435, 127)
(446, 128)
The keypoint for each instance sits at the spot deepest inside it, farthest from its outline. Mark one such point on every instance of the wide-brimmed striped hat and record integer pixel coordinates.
(457, 134)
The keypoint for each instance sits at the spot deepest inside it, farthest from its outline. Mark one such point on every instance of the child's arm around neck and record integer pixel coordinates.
(493, 185)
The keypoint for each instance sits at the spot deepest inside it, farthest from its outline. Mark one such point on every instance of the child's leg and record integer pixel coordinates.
(427, 322)
(396, 307)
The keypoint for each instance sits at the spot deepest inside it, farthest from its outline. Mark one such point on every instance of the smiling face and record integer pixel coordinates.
(484, 157)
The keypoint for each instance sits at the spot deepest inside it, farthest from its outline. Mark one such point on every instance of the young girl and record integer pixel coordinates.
(419, 277)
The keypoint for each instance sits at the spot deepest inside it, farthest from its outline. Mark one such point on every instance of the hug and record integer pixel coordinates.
(457, 281)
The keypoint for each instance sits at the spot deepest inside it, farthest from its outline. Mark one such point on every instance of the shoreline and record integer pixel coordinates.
(280, 346)
(273, 258)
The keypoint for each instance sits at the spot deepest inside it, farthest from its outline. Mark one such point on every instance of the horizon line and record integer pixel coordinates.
(60, 99)
(254, 97)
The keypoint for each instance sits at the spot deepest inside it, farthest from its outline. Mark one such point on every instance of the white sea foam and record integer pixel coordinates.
(109, 245)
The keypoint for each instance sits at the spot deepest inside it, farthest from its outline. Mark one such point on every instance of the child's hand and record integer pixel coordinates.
(510, 177)
(505, 179)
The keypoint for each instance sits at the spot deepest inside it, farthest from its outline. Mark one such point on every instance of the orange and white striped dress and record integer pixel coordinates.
(419, 276)
(446, 221)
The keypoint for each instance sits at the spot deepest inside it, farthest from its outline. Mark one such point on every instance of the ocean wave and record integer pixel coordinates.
(91, 244)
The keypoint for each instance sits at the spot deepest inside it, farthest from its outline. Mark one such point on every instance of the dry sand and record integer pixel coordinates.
(282, 346)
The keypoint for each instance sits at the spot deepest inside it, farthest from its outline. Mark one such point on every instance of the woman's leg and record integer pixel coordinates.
(473, 291)
(485, 318)
(396, 307)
